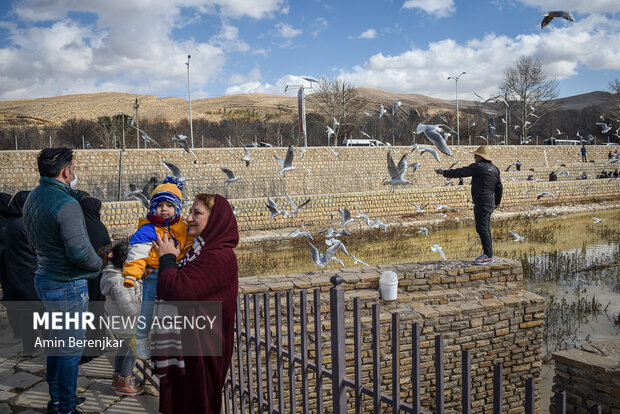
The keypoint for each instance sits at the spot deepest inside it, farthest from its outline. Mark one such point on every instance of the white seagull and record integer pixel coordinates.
(423, 230)
(322, 260)
(247, 157)
(432, 132)
(287, 164)
(419, 209)
(139, 196)
(437, 249)
(273, 208)
(553, 14)
(382, 111)
(544, 193)
(395, 105)
(296, 233)
(182, 140)
(598, 220)
(174, 170)
(356, 261)
(606, 128)
(516, 236)
(330, 232)
(345, 217)
(397, 174)
(231, 178)
(330, 132)
(295, 208)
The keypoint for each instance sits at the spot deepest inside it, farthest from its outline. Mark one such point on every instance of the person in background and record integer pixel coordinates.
(615, 173)
(55, 228)
(583, 153)
(486, 192)
(5, 199)
(124, 304)
(18, 293)
(584, 176)
(99, 237)
(518, 165)
(553, 176)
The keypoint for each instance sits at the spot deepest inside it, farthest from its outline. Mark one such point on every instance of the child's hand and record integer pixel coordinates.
(147, 273)
(165, 246)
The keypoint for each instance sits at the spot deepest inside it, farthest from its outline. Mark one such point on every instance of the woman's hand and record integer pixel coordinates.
(166, 245)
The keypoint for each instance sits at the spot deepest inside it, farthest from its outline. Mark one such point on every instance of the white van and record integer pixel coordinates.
(362, 143)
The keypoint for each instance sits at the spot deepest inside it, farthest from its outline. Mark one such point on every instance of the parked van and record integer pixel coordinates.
(362, 143)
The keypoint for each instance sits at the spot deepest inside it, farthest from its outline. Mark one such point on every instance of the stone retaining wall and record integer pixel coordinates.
(333, 182)
(483, 309)
(589, 375)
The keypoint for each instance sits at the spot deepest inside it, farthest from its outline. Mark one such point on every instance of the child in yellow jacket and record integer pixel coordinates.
(164, 218)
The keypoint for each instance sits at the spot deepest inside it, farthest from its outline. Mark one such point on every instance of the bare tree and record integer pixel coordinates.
(72, 130)
(529, 92)
(340, 100)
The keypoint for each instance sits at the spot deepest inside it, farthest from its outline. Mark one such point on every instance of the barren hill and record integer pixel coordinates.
(55, 110)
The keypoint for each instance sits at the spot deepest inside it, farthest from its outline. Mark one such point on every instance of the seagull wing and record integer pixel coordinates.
(279, 160)
(229, 173)
(316, 257)
(290, 200)
(172, 168)
(402, 165)
(435, 137)
(392, 170)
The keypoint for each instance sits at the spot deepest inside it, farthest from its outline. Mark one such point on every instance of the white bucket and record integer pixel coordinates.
(388, 285)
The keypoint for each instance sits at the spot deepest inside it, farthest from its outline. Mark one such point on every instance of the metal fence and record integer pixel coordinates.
(266, 376)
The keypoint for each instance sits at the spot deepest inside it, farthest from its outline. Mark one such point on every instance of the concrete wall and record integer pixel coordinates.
(590, 375)
(355, 175)
(483, 309)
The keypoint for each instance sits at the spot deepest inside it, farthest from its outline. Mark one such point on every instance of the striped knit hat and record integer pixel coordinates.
(169, 190)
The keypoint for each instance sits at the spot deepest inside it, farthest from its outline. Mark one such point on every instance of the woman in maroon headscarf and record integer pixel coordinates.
(207, 272)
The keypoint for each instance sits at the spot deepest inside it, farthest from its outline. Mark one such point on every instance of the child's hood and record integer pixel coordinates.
(110, 276)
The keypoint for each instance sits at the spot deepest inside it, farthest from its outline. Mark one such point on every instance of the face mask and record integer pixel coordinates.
(73, 182)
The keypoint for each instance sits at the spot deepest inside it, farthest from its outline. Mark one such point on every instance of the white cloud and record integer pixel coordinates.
(318, 26)
(253, 76)
(277, 88)
(287, 31)
(593, 42)
(436, 8)
(368, 34)
(579, 6)
(116, 45)
(228, 39)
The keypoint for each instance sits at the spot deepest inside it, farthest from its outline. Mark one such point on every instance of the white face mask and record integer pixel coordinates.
(73, 182)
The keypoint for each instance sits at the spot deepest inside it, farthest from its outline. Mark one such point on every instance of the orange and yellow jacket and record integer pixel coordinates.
(141, 252)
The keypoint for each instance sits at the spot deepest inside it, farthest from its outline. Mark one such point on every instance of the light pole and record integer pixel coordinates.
(189, 98)
(456, 81)
(301, 104)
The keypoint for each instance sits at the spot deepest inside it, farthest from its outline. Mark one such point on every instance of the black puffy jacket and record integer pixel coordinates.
(486, 184)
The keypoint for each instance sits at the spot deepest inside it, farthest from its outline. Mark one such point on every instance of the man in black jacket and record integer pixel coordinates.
(486, 193)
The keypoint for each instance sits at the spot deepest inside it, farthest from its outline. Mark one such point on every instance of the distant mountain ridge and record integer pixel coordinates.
(55, 110)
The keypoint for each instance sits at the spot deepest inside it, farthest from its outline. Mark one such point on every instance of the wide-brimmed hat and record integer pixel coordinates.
(484, 152)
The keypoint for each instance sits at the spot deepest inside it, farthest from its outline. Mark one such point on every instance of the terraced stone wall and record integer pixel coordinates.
(354, 175)
(483, 309)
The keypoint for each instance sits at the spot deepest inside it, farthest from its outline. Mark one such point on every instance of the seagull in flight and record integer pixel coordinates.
(516, 236)
(598, 220)
(174, 170)
(182, 140)
(296, 233)
(430, 151)
(137, 195)
(330, 232)
(356, 261)
(511, 164)
(247, 157)
(345, 217)
(419, 209)
(330, 132)
(295, 208)
(336, 123)
(553, 14)
(365, 134)
(144, 135)
(231, 178)
(605, 127)
(397, 174)
(287, 164)
(453, 164)
(544, 193)
(382, 111)
(437, 249)
(395, 105)
(378, 223)
(432, 132)
(423, 230)
(273, 208)
(321, 259)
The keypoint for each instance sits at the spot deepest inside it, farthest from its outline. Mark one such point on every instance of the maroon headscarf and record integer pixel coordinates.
(208, 272)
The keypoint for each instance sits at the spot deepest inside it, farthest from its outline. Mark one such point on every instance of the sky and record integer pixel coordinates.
(62, 47)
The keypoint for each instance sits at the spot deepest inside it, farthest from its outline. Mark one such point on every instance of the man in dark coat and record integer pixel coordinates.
(486, 193)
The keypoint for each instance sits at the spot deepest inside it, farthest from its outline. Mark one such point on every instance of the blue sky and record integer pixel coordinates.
(59, 47)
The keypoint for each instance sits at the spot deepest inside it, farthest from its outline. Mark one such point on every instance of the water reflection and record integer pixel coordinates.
(568, 259)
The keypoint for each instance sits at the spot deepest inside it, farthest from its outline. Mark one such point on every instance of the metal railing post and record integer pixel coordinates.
(336, 306)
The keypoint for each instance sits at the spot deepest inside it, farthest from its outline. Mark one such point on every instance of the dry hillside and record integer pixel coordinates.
(54, 110)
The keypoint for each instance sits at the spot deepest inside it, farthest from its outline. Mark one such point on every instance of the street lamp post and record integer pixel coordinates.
(189, 98)
(456, 81)
(301, 102)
